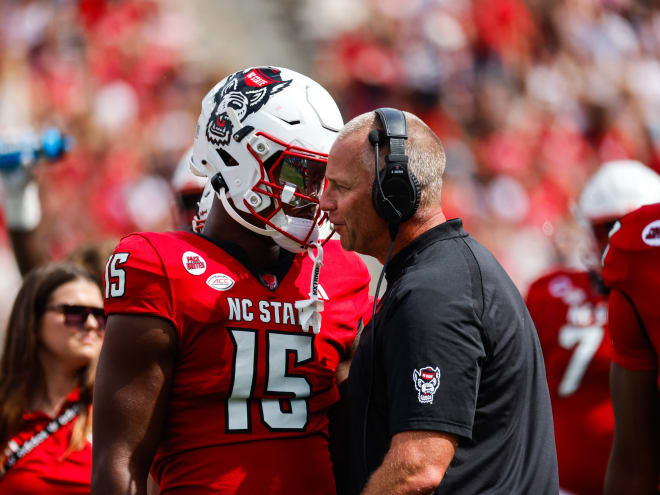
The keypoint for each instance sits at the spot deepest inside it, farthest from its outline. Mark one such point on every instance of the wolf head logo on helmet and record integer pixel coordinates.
(262, 138)
(246, 94)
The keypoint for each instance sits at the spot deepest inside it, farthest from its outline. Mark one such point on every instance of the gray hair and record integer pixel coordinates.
(426, 155)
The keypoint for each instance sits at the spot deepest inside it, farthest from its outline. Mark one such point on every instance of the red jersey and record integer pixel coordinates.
(631, 267)
(46, 470)
(251, 389)
(570, 314)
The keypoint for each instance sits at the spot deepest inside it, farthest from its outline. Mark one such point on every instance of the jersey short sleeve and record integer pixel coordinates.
(136, 281)
(631, 348)
(433, 359)
(631, 268)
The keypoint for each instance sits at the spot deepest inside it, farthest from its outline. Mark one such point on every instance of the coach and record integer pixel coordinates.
(447, 389)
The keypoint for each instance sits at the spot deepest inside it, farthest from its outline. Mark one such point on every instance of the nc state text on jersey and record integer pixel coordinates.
(241, 309)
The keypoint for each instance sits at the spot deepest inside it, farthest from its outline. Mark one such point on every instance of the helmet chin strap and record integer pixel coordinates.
(309, 310)
(282, 240)
(239, 219)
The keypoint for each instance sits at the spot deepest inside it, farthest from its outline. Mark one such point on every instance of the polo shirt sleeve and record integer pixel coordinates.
(433, 355)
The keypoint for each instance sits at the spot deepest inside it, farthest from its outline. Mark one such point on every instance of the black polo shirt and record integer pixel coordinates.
(455, 351)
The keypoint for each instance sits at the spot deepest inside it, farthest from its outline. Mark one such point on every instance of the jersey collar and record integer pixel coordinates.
(284, 262)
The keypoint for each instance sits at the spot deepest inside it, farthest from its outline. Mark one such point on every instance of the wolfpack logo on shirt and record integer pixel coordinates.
(193, 263)
(427, 381)
(651, 233)
(246, 92)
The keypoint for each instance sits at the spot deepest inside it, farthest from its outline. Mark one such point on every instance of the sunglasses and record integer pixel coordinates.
(76, 316)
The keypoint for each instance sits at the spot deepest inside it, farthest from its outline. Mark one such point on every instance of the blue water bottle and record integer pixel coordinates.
(24, 149)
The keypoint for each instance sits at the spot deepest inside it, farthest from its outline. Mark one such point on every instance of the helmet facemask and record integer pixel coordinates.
(294, 179)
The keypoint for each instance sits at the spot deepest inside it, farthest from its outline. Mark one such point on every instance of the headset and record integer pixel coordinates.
(396, 193)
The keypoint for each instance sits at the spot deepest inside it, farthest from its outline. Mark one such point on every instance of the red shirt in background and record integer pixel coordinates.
(46, 470)
(570, 314)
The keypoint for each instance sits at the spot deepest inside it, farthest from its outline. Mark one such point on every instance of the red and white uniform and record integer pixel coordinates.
(570, 315)
(46, 469)
(631, 268)
(250, 392)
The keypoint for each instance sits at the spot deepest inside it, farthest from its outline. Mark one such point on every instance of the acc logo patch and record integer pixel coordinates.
(193, 263)
(220, 281)
(651, 233)
(427, 381)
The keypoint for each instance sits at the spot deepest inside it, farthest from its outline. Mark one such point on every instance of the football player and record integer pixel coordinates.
(631, 269)
(569, 309)
(222, 347)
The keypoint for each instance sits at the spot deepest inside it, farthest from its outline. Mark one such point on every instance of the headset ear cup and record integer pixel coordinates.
(401, 197)
(384, 208)
(399, 191)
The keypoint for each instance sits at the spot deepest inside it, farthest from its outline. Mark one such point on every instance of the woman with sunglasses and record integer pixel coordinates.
(52, 343)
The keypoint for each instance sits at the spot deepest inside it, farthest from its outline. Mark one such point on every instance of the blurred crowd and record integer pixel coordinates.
(527, 96)
(116, 76)
(111, 75)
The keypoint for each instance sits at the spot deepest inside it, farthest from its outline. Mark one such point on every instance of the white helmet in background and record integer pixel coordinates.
(616, 189)
(203, 208)
(183, 180)
(187, 188)
(262, 138)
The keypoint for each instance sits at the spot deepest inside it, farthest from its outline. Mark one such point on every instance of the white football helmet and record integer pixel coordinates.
(187, 187)
(183, 181)
(617, 188)
(262, 139)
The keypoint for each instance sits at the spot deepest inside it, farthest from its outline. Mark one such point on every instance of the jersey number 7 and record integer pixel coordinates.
(585, 341)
